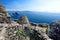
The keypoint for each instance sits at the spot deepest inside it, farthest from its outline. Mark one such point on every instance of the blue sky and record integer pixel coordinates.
(32, 5)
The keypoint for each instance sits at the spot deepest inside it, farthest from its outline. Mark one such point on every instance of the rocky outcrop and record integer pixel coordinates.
(2, 10)
(4, 17)
(20, 29)
(24, 20)
(54, 30)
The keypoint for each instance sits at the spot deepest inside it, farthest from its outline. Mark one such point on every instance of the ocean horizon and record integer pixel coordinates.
(36, 17)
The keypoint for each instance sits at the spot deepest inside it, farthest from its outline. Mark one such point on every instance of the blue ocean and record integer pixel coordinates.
(37, 17)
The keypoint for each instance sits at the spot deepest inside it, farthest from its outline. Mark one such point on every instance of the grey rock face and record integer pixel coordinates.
(24, 20)
(4, 17)
(54, 30)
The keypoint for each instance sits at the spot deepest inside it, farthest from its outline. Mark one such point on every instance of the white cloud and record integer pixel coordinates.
(38, 5)
(47, 6)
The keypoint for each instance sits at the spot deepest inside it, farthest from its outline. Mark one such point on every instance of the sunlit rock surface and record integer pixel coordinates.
(24, 20)
(20, 29)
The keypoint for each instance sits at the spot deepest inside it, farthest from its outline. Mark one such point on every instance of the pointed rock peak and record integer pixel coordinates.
(24, 20)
